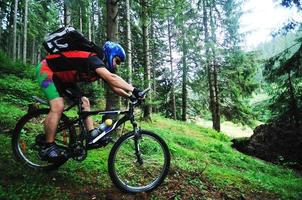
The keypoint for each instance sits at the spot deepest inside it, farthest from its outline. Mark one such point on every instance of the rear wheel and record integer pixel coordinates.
(29, 134)
(139, 164)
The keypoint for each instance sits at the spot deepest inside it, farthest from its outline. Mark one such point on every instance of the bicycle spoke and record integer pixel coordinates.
(133, 175)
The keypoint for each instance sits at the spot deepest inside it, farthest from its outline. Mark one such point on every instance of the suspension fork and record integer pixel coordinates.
(137, 137)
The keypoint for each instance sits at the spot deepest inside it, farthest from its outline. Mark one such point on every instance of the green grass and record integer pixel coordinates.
(9, 114)
(202, 162)
(194, 148)
(18, 91)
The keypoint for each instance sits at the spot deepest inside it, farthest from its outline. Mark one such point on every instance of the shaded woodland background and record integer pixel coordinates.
(190, 52)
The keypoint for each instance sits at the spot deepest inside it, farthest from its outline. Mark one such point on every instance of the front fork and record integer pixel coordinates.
(137, 137)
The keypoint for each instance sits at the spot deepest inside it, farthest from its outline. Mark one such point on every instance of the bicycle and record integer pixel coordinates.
(138, 161)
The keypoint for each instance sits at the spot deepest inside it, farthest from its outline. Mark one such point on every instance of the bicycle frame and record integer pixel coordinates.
(128, 115)
(82, 115)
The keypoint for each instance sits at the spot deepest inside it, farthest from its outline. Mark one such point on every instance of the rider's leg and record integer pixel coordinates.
(86, 107)
(51, 152)
(45, 78)
(53, 118)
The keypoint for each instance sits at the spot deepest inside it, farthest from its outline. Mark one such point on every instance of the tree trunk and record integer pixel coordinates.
(153, 64)
(15, 30)
(129, 46)
(19, 56)
(10, 24)
(112, 20)
(102, 15)
(33, 59)
(39, 55)
(208, 63)
(1, 18)
(147, 78)
(216, 122)
(1, 44)
(67, 17)
(184, 77)
(81, 20)
(25, 32)
(97, 36)
(216, 119)
(92, 21)
(293, 103)
(97, 21)
(89, 20)
(89, 29)
(172, 70)
(112, 100)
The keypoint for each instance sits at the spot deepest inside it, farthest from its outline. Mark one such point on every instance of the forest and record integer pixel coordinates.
(191, 54)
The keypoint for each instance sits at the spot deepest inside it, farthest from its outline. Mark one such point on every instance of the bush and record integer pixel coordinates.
(18, 91)
(9, 115)
(7, 66)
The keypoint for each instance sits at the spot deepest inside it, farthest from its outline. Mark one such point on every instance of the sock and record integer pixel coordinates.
(49, 144)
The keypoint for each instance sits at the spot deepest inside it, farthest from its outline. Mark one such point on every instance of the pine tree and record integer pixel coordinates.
(15, 31)
(25, 32)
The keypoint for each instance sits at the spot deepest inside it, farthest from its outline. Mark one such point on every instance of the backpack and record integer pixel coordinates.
(68, 39)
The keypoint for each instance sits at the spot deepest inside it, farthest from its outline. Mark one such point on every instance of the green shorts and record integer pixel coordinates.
(52, 86)
(44, 76)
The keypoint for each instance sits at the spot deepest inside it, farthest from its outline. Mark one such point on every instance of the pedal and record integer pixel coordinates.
(78, 153)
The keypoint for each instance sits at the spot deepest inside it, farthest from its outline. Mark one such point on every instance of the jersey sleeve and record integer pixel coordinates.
(95, 62)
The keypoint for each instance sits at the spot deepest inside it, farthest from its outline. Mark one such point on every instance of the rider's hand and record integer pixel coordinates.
(138, 93)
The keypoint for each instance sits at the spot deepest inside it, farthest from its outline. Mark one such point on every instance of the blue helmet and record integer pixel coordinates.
(111, 50)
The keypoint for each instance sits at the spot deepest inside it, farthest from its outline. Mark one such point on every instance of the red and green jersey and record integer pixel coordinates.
(73, 66)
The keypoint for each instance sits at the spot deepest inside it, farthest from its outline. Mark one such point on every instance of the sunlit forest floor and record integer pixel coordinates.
(228, 128)
(204, 166)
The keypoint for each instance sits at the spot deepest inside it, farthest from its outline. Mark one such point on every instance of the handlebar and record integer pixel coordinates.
(138, 101)
(144, 92)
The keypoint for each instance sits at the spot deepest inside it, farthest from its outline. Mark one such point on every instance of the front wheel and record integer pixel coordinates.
(139, 163)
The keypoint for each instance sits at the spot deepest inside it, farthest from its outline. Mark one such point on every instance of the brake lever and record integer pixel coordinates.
(134, 102)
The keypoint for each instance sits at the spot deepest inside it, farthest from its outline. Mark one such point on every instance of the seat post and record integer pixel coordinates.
(79, 103)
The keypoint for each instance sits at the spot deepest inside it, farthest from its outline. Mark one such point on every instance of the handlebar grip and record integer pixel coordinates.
(145, 91)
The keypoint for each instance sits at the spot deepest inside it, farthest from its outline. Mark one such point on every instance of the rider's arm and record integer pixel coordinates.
(120, 92)
(114, 80)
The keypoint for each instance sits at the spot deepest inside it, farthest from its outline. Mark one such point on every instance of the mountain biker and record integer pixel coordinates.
(57, 72)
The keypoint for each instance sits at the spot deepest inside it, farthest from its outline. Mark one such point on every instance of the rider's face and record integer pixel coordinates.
(116, 62)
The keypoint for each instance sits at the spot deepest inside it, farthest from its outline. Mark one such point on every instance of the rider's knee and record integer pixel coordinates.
(85, 104)
(57, 106)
